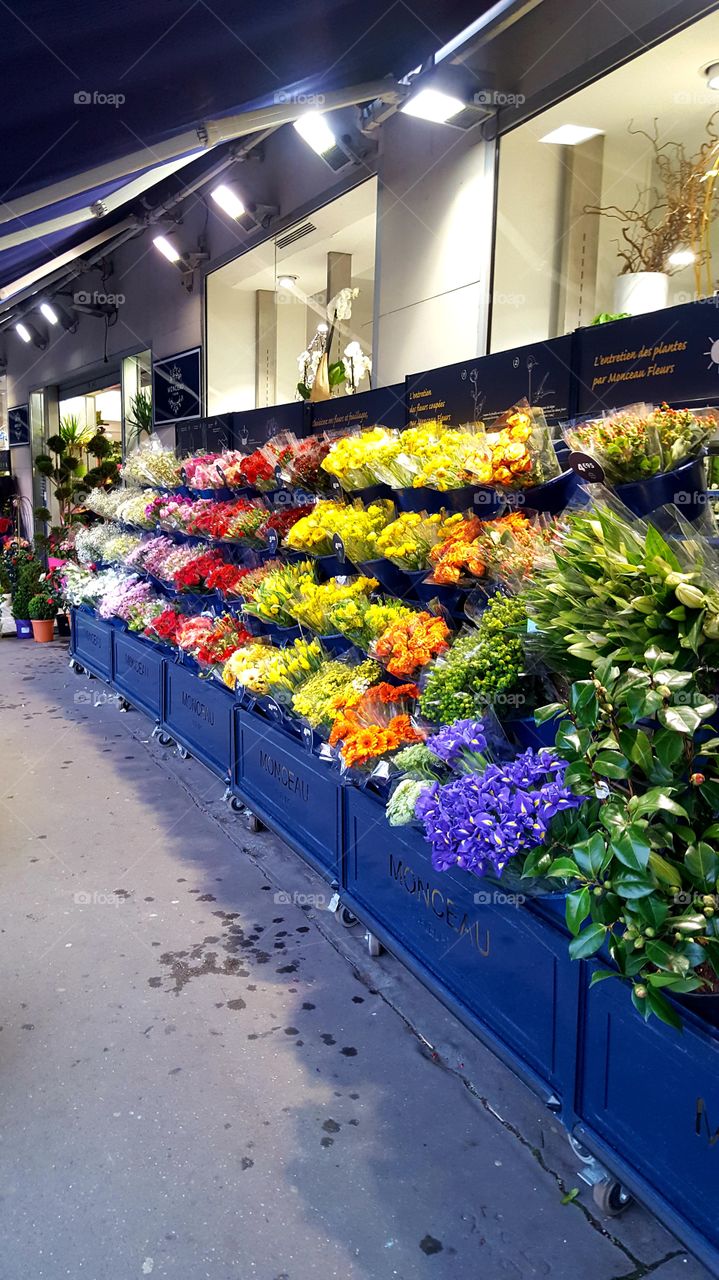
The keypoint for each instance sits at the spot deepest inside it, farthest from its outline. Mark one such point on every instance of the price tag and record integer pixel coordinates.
(333, 903)
(587, 468)
(308, 737)
(335, 486)
(339, 547)
(272, 540)
(274, 709)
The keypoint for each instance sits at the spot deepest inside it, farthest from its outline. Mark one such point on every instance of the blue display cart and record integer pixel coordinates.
(198, 714)
(91, 643)
(139, 673)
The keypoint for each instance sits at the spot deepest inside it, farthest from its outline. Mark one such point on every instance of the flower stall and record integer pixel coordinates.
(491, 722)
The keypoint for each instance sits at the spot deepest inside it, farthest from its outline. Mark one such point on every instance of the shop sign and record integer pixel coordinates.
(383, 405)
(670, 355)
(254, 427)
(485, 387)
(205, 434)
(18, 426)
(177, 387)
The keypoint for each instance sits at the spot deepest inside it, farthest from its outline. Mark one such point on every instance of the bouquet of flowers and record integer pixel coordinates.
(282, 519)
(119, 545)
(91, 541)
(132, 509)
(143, 613)
(173, 562)
(458, 554)
(353, 459)
(239, 521)
(250, 578)
(363, 620)
(226, 578)
(122, 594)
(316, 606)
(209, 470)
(275, 596)
(408, 540)
(376, 725)
(480, 666)
(152, 464)
(83, 587)
(248, 667)
(521, 452)
(455, 459)
(215, 645)
(357, 526)
(193, 575)
(193, 630)
(107, 502)
(164, 626)
(625, 443)
(288, 669)
(411, 643)
(334, 685)
(171, 511)
(301, 464)
(150, 553)
(682, 432)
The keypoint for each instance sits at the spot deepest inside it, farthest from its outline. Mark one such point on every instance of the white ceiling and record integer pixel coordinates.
(347, 225)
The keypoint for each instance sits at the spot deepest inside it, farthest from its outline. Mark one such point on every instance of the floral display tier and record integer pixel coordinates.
(91, 643)
(139, 673)
(198, 714)
(291, 789)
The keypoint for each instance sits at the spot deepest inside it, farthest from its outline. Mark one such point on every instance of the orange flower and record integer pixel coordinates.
(409, 645)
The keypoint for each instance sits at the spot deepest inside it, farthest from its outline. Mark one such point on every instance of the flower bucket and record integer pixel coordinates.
(23, 628)
(333, 567)
(479, 499)
(450, 595)
(63, 625)
(389, 576)
(283, 635)
(686, 487)
(335, 643)
(528, 734)
(373, 493)
(704, 1004)
(550, 498)
(43, 630)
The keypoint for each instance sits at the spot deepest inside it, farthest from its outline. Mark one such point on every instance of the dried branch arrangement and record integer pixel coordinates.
(674, 213)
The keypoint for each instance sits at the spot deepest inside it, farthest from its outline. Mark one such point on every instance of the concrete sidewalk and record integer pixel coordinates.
(204, 1075)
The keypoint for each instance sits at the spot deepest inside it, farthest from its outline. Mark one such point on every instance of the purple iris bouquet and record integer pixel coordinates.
(479, 821)
(461, 746)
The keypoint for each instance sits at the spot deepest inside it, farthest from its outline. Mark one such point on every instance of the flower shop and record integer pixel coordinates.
(466, 666)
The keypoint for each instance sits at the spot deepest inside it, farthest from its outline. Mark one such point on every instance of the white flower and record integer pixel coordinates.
(303, 360)
(340, 307)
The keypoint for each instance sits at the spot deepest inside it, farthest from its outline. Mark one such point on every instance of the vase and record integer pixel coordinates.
(640, 291)
(23, 628)
(320, 389)
(63, 624)
(43, 629)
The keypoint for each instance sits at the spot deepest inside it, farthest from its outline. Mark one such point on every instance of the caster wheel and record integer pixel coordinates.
(183, 753)
(346, 918)
(580, 1151)
(611, 1197)
(75, 667)
(374, 946)
(236, 805)
(123, 704)
(253, 823)
(164, 739)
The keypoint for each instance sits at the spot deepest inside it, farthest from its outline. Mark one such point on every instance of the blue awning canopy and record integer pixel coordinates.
(86, 83)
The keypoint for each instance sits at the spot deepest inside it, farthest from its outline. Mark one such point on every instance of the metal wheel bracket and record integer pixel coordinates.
(608, 1193)
(374, 946)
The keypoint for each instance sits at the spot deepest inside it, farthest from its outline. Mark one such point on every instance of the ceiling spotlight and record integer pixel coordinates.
(570, 135)
(29, 333)
(228, 201)
(711, 74)
(167, 249)
(49, 313)
(314, 129)
(286, 282)
(681, 258)
(323, 327)
(433, 105)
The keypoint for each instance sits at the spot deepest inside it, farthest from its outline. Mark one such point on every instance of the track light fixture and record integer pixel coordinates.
(29, 334)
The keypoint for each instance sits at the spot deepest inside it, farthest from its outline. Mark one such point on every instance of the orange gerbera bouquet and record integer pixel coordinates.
(376, 725)
(408, 645)
(459, 555)
(520, 451)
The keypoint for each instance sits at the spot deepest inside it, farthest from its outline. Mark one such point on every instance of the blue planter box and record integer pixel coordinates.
(290, 789)
(503, 968)
(139, 673)
(198, 714)
(91, 643)
(648, 1104)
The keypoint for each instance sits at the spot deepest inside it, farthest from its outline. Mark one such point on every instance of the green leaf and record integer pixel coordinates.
(548, 712)
(591, 854)
(652, 911)
(336, 373)
(662, 1009)
(682, 719)
(668, 746)
(588, 942)
(570, 1196)
(562, 869)
(610, 764)
(636, 745)
(631, 848)
(600, 975)
(665, 871)
(577, 909)
(703, 863)
(303, 390)
(655, 800)
(655, 546)
(632, 884)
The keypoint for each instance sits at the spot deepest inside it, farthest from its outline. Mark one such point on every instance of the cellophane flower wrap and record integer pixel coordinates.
(276, 594)
(625, 443)
(289, 668)
(480, 821)
(317, 603)
(301, 463)
(83, 587)
(377, 725)
(408, 541)
(408, 645)
(91, 540)
(335, 685)
(123, 594)
(152, 464)
(354, 459)
(248, 667)
(482, 664)
(521, 454)
(208, 470)
(357, 526)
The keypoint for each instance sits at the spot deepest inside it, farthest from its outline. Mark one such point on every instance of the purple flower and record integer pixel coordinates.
(454, 742)
(480, 821)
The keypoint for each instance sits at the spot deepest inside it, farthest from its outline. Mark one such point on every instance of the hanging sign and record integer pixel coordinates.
(210, 435)
(177, 387)
(485, 387)
(670, 355)
(18, 422)
(384, 405)
(254, 427)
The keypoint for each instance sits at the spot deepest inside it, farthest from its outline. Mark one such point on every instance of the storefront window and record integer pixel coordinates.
(136, 398)
(641, 146)
(265, 308)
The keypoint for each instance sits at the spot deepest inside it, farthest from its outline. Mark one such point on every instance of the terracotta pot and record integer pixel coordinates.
(43, 629)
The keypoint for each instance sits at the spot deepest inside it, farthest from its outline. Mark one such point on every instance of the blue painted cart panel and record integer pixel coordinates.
(198, 714)
(91, 643)
(290, 789)
(503, 969)
(650, 1095)
(139, 673)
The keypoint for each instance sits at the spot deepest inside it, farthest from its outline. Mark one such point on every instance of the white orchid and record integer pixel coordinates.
(340, 307)
(357, 364)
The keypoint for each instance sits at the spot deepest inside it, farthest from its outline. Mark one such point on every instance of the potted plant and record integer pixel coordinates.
(42, 608)
(26, 585)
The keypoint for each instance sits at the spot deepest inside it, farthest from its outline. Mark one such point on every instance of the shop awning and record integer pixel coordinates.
(85, 84)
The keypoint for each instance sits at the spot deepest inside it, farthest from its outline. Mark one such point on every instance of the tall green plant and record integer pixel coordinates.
(140, 416)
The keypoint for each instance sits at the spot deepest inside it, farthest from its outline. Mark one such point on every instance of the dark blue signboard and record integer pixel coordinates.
(211, 434)
(384, 404)
(177, 387)
(18, 422)
(254, 427)
(485, 387)
(668, 355)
